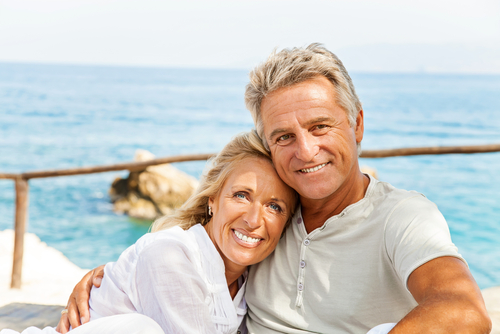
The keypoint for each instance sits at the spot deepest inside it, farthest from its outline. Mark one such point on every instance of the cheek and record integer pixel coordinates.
(275, 230)
(280, 156)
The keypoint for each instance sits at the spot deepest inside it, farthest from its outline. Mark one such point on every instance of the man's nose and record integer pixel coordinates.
(253, 216)
(307, 147)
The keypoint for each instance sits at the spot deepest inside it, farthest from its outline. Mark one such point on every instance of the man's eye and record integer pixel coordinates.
(275, 207)
(321, 126)
(284, 137)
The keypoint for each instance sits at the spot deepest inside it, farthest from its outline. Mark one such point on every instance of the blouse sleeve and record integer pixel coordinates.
(171, 291)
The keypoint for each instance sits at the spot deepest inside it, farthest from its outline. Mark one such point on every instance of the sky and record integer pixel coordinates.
(373, 36)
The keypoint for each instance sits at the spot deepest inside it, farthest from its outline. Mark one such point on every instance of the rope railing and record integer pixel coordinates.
(22, 186)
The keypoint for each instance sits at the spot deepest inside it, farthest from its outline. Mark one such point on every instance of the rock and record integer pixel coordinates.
(156, 191)
(136, 206)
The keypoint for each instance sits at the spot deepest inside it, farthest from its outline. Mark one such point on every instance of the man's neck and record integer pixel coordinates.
(315, 212)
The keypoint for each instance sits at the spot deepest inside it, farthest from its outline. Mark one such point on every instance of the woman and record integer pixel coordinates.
(189, 274)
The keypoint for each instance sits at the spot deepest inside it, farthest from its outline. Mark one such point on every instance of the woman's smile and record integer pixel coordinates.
(245, 239)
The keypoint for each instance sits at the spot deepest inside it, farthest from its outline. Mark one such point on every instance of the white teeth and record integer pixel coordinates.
(310, 170)
(243, 237)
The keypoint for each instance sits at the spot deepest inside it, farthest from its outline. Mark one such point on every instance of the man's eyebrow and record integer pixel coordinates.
(319, 120)
(277, 131)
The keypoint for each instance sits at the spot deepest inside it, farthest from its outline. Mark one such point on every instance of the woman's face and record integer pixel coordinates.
(249, 213)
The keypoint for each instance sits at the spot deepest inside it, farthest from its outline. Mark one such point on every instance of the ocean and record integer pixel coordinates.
(62, 116)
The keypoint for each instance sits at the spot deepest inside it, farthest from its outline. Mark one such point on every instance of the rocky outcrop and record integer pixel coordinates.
(154, 192)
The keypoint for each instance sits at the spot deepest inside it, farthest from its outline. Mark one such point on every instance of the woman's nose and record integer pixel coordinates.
(253, 216)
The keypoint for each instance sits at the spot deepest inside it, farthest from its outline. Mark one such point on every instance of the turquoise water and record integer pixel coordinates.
(54, 116)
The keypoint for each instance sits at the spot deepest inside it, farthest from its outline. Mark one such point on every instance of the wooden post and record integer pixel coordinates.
(22, 192)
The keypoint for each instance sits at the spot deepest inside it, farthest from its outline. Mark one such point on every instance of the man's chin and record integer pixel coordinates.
(314, 193)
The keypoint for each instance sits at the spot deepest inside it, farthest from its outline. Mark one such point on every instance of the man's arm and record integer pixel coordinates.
(449, 300)
(78, 302)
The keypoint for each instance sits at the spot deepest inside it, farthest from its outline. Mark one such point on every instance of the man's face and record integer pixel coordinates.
(312, 144)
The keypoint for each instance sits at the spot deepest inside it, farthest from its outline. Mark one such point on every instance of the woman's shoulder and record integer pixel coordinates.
(173, 246)
(169, 239)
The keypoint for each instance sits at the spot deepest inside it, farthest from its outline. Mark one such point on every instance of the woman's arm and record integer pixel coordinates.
(171, 291)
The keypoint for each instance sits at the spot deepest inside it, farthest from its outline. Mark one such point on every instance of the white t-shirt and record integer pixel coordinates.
(175, 277)
(350, 274)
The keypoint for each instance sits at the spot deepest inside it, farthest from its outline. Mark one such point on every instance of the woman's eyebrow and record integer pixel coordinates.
(241, 188)
(276, 199)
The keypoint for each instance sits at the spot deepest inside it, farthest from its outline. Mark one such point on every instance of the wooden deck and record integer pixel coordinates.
(19, 316)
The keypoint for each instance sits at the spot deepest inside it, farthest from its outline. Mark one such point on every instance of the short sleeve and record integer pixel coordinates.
(416, 232)
(170, 290)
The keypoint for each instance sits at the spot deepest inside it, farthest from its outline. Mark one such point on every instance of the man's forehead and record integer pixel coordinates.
(301, 91)
(310, 100)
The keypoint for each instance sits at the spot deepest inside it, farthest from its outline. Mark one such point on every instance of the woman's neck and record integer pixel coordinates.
(233, 272)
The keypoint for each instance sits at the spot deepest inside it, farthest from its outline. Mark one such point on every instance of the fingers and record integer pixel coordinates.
(63, 325)
(98, 275)
(82, 296)
(78, 303)
(73, 314)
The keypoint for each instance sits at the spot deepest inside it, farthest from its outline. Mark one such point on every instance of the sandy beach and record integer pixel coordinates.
(48, 277)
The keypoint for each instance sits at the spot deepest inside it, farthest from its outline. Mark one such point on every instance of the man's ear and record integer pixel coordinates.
(360, 127)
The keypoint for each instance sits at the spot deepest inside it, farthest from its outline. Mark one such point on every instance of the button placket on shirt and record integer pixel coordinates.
(302, 260)
(302, 267)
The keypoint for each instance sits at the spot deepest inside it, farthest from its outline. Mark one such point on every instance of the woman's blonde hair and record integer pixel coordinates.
(195, 209)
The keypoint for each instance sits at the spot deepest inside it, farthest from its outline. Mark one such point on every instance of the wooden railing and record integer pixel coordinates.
(22, 186)
(22, 198)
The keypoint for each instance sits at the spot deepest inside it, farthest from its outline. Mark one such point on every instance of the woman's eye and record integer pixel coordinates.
(275, 207)
(240, 195)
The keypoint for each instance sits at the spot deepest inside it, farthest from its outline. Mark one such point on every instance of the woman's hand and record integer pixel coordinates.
(78, 303)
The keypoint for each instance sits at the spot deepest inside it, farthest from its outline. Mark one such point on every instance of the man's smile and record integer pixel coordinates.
(313, 169)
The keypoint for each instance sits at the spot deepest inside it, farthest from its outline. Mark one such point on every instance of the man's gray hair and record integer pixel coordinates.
(291, 66)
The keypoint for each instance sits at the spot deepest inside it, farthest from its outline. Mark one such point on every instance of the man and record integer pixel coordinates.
(359, 252)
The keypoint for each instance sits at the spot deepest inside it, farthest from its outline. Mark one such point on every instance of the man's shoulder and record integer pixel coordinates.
(387, 199)
(385, 192)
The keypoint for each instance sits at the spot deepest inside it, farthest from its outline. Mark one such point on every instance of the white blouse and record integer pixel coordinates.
(175, 277)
